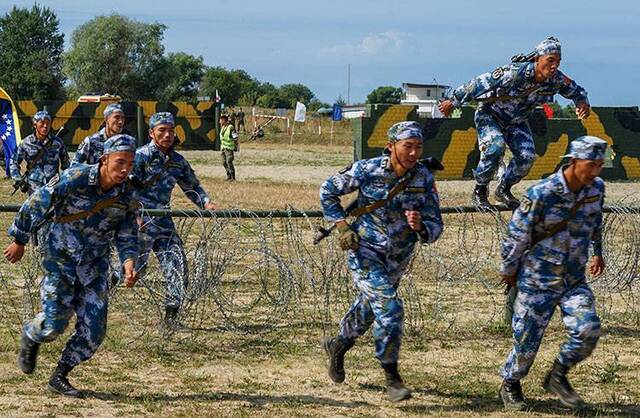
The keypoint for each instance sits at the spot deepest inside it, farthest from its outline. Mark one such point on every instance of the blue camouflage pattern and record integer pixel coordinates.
(119, 143)
(552, 273)
(91, 149)
(386, 244)
(112, 108)
(76, 255)
(404, 130)
(54, 160)
(587, 148)
(159, 233)
(160, 118)
(41, 115)
(504, 123)
(550, 45)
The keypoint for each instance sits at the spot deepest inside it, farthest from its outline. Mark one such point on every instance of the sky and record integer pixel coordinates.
(388, 42)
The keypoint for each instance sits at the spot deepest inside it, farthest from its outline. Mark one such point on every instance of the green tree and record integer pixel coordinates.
(115, 54)
(385, 94)
(225, 82)
(292, 93)
(31, 48)
(182, 74)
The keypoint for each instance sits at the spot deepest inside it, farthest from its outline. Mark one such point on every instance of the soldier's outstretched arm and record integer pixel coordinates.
(519, 232)
(344, 182)
(484, 83)
(37, 208)
(432, 225)
(126, 235)
(190, 185)
(597, 263)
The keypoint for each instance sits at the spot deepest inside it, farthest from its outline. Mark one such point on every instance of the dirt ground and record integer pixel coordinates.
(282, 372)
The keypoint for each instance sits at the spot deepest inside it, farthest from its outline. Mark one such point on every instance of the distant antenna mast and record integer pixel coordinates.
(348, 83)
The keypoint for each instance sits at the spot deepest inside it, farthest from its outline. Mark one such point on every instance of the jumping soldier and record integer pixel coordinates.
(90, 150)
(545, 255)
(507, 96)
(90, 205)
(44, 153)
(398, 206)
(158, 168)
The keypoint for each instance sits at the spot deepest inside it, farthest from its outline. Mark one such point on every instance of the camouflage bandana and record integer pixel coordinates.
(549, 46)
(41, 115)
(161, 118)
(121, 142)
(405, 130)
(587, 148)
(112, 108)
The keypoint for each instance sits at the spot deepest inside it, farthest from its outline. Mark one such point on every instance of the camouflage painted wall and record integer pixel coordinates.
(195, 123)
(454, 140)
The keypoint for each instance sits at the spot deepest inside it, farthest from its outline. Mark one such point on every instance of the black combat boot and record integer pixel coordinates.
(556, 382)
(479, 198)
(503, 194)
(59, 383)
(511, 395)
(28, 354)
(336, 348)
(396, 390)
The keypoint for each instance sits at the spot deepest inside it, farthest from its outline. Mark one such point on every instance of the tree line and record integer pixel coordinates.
(118, 55)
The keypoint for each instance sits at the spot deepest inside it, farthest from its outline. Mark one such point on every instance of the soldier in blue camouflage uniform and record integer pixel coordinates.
(91, 148)
(562, 217)
(507, 96)
(90, 205)
(158, 168)
(44, 153)
(380, 245)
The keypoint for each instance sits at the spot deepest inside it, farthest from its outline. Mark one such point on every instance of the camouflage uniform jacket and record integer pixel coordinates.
(514, 80)
(559, 260)
(151, 166)
(54, 158)
(385, 233)
(91, 148)
(85, 240)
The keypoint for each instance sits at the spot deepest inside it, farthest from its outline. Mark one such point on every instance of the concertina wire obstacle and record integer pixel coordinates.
(255, 272)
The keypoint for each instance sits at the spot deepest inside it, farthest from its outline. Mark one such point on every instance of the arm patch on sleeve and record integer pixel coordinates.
(497, 73)
(525, 205)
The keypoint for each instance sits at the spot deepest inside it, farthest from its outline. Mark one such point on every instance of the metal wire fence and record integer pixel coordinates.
(253, 272)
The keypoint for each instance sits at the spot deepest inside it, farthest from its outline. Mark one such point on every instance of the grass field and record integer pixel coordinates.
(450, 355)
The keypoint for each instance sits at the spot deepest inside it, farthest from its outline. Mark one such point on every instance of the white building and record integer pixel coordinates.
(425, 96)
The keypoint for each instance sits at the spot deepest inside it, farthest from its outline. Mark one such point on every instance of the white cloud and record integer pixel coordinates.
(388, 42)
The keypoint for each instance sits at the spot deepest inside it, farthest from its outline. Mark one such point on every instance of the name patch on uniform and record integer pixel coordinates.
(497, 73)
(415, 190)
(591, 199)
(525, 205)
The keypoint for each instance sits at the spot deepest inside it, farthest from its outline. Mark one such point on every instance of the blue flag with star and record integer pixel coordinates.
(9, 128)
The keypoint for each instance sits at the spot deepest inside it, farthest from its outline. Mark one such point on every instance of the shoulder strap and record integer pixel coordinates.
(155, 177)
(102, 204)
(559, 226)
(379, 203)
(39, 155)
(496, 99)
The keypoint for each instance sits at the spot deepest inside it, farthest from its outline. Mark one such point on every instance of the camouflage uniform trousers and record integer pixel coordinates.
(493, 136)
(227, 161)
(62, 293)
(377, 304)
(533, 310)
(169, 250)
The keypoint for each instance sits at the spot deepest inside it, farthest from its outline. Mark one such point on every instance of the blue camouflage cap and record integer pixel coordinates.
(41, 115)
(587, 148)
(112, 108)
(161, 118)
(120, 142)
(405, 130)
(550, 45)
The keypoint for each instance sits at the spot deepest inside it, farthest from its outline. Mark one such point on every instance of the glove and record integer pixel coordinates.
(347, 238)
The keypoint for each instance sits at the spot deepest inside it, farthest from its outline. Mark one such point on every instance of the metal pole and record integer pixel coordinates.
(349, 84)
(142, 138)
